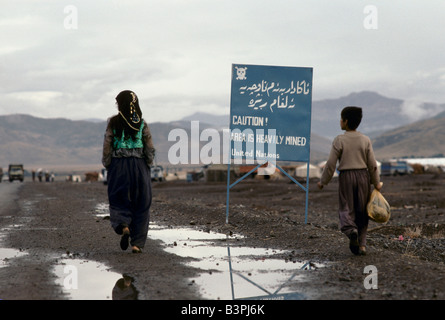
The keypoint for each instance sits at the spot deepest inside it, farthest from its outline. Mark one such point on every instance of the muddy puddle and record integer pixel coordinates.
(83, 279)
(230, 270)
(7, 254)
(233, 271)
(101, 210)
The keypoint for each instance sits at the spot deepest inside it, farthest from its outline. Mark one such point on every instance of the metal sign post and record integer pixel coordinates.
(270, 119)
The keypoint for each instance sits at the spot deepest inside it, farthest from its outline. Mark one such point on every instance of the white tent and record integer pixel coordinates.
(314, 171)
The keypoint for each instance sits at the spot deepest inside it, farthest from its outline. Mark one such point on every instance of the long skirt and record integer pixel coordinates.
(129, 195)
(354, 192)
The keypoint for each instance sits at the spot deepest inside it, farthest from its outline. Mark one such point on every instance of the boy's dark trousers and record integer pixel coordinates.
(354, 191)
(129, 194)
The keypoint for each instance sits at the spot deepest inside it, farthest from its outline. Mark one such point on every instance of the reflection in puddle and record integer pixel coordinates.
(124, 289)
(90, 280)
(231, 271)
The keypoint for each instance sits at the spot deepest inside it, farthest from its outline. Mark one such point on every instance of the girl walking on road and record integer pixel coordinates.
(358, 170)
(128, 153)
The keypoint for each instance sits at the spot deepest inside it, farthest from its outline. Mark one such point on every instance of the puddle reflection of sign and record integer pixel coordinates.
(276, 295)
(267, 98)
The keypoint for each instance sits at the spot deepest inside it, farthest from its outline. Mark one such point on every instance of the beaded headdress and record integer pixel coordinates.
(132, 113)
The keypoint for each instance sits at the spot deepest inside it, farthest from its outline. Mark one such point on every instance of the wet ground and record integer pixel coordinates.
(56, 243)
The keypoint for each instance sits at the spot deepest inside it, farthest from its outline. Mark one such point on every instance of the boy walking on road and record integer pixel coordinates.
(358, 170)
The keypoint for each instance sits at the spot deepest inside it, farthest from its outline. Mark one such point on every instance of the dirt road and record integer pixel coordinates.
(55, 221)
(46, 223)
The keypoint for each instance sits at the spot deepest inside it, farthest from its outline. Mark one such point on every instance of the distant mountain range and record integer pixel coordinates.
(423, 138)
(47, 143)
(380, 113)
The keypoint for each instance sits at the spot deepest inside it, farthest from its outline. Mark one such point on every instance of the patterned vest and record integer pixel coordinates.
(129, 143)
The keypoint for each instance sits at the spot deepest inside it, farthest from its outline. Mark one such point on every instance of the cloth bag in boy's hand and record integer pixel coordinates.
(378, 208)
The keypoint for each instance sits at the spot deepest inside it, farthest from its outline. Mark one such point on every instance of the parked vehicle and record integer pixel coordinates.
(16, 172)
(157, 173)
(394, 168)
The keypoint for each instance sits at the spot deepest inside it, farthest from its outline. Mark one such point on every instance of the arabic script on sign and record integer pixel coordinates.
(282, 97)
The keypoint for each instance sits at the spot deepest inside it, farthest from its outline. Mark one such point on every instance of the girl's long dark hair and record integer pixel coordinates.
(129, 118)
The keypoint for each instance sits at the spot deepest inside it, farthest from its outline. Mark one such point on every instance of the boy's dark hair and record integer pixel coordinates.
(353, 115)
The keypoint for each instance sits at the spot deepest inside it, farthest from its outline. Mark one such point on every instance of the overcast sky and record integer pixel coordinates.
(71, 58)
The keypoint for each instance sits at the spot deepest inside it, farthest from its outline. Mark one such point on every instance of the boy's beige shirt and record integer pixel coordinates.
(353, 150)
